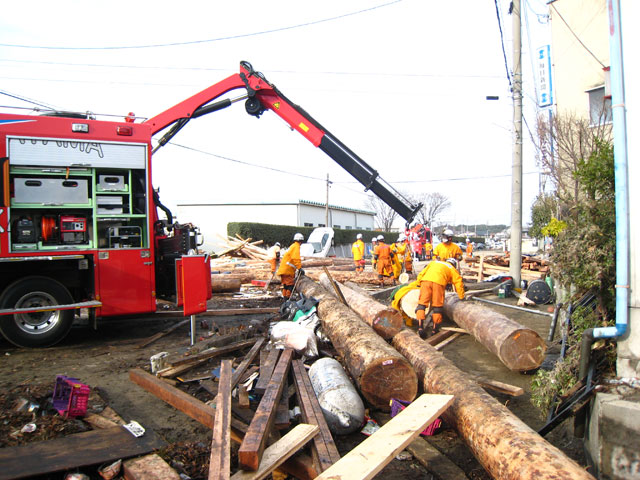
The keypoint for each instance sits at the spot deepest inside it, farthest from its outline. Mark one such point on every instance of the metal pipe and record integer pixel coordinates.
(554, 322)
(528, 310)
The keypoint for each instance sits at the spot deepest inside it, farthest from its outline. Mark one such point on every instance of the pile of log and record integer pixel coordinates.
(242, 247)
(533, 268)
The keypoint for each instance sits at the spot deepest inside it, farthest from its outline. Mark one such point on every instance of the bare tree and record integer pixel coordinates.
(385, 215)
(434, 204)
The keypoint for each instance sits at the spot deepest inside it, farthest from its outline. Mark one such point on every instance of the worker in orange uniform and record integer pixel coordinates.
(469, 248)
(382, 254)
(374, 242)
(397, 248)
(428, 250)
(433, 280)
(289, 264)
(357, 249)
(408, 258)
(447, 249)
(273, 255)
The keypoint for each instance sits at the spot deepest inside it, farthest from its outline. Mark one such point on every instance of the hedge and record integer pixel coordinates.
(271, 234)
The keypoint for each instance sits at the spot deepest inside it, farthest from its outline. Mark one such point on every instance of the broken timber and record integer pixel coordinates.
(504, 445)
(298, 466)
(254, 442)
(379, 370)
(386, 321)
(519, 348)
(324, 450)
(266, 370)
(220, 458)
(371, 456)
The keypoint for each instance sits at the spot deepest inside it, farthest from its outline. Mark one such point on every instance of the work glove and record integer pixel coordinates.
(420, 312)
(301, 271)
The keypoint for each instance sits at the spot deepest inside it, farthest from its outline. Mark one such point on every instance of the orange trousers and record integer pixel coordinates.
(274, 263)
(431, 292)
(287, 285)
(359, 265)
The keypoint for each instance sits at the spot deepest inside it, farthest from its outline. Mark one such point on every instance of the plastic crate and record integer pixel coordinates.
(70, 397)
(398, 405)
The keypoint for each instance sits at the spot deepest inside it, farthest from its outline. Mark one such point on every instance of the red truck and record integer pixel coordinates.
(81, 227)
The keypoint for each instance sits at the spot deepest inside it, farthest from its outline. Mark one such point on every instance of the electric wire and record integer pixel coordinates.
(25, 99)
(211, 40)
(576, 37)
(504, 52)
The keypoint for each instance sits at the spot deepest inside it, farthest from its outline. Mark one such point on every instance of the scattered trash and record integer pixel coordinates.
(158, 361)
(293, 335)
(135, 428)
(404, 455)
(110, 471)
(370, 427)
(398, 405)
(28, 428)
(77, 476)
(70, 397)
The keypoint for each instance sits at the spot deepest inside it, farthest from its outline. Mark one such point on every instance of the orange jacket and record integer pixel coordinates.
(358, 250)
(292, 255)
(442, 273)
(382, 250)
(450, 250)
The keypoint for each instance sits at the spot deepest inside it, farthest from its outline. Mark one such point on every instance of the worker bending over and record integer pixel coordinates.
(290, 263)
(433, 280)
(273, 255)
(382, 254)
(447, 249)
(357, 249)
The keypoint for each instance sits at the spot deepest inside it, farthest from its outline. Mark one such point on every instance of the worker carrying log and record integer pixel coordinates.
(289, 264)
(382, 254)
(273, 256)
(433, 280)
(357, 249)
(447, 249)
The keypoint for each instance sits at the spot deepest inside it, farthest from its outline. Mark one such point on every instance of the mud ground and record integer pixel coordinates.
(102, 359)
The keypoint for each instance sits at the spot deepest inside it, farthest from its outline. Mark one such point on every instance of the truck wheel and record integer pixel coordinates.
(38, 329)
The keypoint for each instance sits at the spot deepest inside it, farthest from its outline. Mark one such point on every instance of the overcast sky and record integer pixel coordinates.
(403, 83)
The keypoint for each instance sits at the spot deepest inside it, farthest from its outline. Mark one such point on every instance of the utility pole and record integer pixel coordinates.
(326, 208)
(515, 256)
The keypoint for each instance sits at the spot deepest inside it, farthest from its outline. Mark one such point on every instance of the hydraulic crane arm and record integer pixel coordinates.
(261, 96)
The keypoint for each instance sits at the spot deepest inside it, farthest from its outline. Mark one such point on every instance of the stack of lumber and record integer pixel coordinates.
(533, 268)
(242, 247)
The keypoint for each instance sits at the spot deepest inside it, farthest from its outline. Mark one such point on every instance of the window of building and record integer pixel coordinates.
(349, 227)
(599, 106)
(321, 225)
(336, 226)
(308, 224)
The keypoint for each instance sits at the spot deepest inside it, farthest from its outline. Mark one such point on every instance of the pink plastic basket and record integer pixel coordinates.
(398, 405)
(70, 397)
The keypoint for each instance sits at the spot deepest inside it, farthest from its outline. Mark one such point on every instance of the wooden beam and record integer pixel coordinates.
(220, 458)
(372, 455)
(149, 467)
(282, 420)
(248, 360)
(77, 450)
(500, 387)
(441, 345)
(277, 453)
(252, 447)
(324, 450)
(161, 334)
(266, 370)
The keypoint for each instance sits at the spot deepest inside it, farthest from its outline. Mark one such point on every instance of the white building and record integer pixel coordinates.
(212, 218)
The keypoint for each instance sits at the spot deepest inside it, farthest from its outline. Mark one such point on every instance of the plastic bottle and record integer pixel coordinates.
(342, 406)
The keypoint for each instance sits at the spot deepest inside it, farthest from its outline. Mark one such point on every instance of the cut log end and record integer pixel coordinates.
(387, 323)
(389, 378)
(523, 350)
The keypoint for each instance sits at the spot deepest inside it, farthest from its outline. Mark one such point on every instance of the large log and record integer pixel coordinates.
(505, 446)
(386, 321)
(518, 347)
(219, 285)
(380, 371)
(342, 277)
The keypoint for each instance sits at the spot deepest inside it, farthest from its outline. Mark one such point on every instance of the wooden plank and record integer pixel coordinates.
(161, 334)
(441, 345)
(429, 456)
(454, 329)
(149, 467)
(220, 458)
(252, 447)
(182, 401)
(324, 450)
(78, 450)
(371, 456)
(439, 337)
(181, 366)
(282, 410)
(277, 453)
(266, 370)
(500, 387)
(481, 269)
(243, 397)
(248, 360)
(98, 421)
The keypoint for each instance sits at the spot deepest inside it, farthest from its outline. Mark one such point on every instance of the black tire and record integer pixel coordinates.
(41, 329)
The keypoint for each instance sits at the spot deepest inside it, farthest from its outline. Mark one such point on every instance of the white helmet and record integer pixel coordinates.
(374, 239)
(277, 244)
(380, 238)
(448, 233)
(453, 262)
(298, 237)
(359, 236)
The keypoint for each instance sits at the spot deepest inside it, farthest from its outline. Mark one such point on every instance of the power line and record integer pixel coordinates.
(504, 53)
(25, 99)
(211, 40)
(576, 36)
(434, 180)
